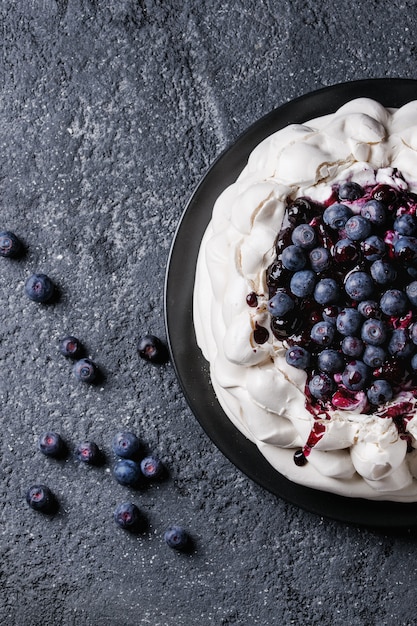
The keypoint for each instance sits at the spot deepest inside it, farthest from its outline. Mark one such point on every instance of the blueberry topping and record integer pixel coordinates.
(10, 245)
(411, 291)
(336, 216)
(400, 344)
(281, 303)
(293, 258)
(71, 347)
(349, 321)
(152, 349)
(345, 252)
(176, 537)
(321, 386)
(302, 283)
(127, 472)
(373, 248)
(298, 357)
(356, 375)
(52, 444)
(405, 249)
(374, 211)
(352, 346)
(330, 361)
(359, 286)
(128, 516)
(374, 332)
(322, 333)
(383, 273)
(85, 370)
(299, 458)
(304, 236)
(350, 191)
(379, 392)
(358, 228)
(327, 291)
(394, 302)
(299, 211)
(39, 288)
(41, 498)
(126, 445)
(320, 259)
(368, 308)
(374, 356)
(405, 224)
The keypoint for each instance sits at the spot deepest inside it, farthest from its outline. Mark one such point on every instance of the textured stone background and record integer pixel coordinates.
(110, 113)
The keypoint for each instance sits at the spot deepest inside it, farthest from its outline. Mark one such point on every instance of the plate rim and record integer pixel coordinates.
(380, 514)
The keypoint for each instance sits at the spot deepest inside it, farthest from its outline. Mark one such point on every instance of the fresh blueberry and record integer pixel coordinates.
(41, 498)
(10, 245)
(405, 249)
(322, 333)
(298, 357)
(352, 346)
(356, 375)
(126, 445)
(320, 259)
(176, 537)
(152, 349)
(302, 283)
(293, 258)
(379, 392)
(85, 370)
(386, 194)
(373, 248)
(71, 347)
(374, 332)
(128, 516)
(382, 272)
(304, 236)
(321, 386)
(374, 211)
(326, 291)
(394, 302)
(413, 333)
(151, 467)
(374, 356)
(281, 303)
(345, 252)
(39, 288)
(52, 444)
(358, 228)
(359, 286)
(330, 313)
(368, 308)
(88, 452)
(336, 215)
(405, 224)
(413, 362)
(349, 321)
(350, 191)
(411, 291)
(127, 472)
(400, 344)
(330, 361)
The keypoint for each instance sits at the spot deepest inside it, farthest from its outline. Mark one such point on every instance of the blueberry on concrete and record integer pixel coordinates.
(85, 370)
(126, 445)
(10, 245)
(152, 349)
(41, 498)
(127, 472)
(52, 444)
(128, 516)
(151, 467)
(88, 452)
(176, 537)
(71, 347)
(39, 288)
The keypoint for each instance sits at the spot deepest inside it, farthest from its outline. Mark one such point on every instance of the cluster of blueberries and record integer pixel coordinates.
(343, 291)
(128, 470)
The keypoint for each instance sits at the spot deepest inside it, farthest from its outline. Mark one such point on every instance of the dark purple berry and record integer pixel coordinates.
(350, 191)
(299, 458)
(405, 249)
(356, 375)
(302, 283)
(41, 498)
(298, 357)
(85, 370)
(323, 333)
(151, 467)
(293, 258)
(382, 272)
(369, 308)
(374, 332)
(176, 537)
(345, 252)
(321, 386)
(359, 286)
(304, 236)
(10, 245)
(349, 321)
(128, 516)
(394, 302)
(71, 347)
(374, 356)
(405, 224)
(330, 361)
(320, 259)
(379, 392)
(358, 228)
(400, 344)
(411, 291)
(281, 303)
(126, 445)
(373, 248)
(127, 472)
(151, 348)
(88, 452)
(352, 346)
(52, 444)
(39, 288)
(336, 216)
(374, 211)
(327, 291)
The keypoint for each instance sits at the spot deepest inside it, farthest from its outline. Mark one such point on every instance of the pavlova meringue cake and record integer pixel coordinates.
(305, 301)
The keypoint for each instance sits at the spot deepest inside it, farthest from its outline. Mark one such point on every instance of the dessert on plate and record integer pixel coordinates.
(305, 301)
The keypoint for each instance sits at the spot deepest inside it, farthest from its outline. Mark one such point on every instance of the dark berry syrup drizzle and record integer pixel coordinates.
(342, 289)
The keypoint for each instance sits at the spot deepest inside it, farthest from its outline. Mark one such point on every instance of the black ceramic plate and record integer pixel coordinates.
(191, 368)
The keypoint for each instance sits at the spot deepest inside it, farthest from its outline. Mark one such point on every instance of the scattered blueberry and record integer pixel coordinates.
(128, 516)
(52, 444)
(39, 288)
(71, 347)
(176, 537)
(152, 349)
(127, 472)
(126, 445)
(85, 370)
(151, 467)
(10, 245)
(88, 452)
(41, 498)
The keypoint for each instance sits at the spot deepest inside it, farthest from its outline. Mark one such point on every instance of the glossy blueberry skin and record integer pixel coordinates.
(281, 303)
(304, 236)
(373, 248)
(51, 444)
(39, 288)
(10, 246)
(414, 362)
(400, 343)
(152, 349)
(379, 392)
(151, 467)
(176, 537)
(127, 472)
(71, 347)
(356, 375)
(394, 302)
(330, 313)
(323, 333)
(413, 333)
(358, 228)
(302, 283)
(352, 346)
(298, 357)
(40, 498)
(411, 291)
(374, 211)
(321, 386)
(405, 249)
(88, 452)
(368, 308)
(85, 370)
(374, 332)
(349, 321)
(336, 215)
(330, 361)
(359, 286)
(293, 258)
(374, 356)
(382, 272)
(127, 516)
(326, 291)
(320, 259)
(126, 445)
(350, 191)
(345, 252)
(405, 225)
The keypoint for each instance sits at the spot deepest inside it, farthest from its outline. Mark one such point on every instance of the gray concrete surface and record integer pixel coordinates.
(110, 113)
